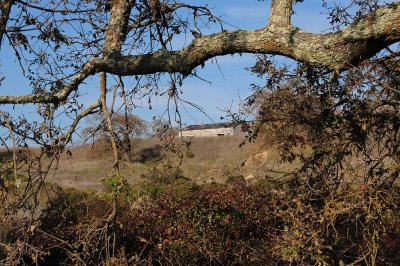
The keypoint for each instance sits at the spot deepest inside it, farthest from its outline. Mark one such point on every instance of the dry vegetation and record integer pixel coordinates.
(189, 203)
(170, 214)
(206, 160)
(317, 183)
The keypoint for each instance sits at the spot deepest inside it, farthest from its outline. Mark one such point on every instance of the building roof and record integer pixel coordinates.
(210, 126)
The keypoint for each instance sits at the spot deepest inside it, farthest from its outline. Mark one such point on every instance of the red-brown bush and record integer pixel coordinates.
(235, 224)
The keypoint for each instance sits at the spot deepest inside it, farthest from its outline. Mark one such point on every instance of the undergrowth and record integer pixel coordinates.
(212, 224)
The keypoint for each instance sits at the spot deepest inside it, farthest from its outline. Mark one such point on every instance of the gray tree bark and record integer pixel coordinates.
(337, 51)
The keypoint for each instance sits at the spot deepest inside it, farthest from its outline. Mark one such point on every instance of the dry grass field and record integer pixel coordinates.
(207, 160)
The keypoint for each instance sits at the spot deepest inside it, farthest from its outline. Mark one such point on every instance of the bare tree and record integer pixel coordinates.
(126, 128)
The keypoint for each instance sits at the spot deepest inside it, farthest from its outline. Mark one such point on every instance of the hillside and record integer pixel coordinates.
(206, 160)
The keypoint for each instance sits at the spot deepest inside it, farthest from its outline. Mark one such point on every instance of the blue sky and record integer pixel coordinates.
(229, 82)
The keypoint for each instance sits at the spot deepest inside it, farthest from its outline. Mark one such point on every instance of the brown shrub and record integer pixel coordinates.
(217, 224)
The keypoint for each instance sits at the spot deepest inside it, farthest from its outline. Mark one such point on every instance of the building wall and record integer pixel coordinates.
(208, 132)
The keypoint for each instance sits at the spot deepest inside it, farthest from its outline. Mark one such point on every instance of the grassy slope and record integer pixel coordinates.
(210, 159)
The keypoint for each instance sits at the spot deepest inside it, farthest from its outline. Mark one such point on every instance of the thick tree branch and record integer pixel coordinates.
(117, 26)
(281, 13)
(340, 50)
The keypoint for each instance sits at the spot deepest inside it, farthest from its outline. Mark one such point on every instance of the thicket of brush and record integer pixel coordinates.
(180, 223)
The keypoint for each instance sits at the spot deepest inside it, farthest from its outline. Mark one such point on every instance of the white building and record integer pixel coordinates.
(212, 130)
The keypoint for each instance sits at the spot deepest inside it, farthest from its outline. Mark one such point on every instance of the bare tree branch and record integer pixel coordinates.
(107, 117)
(65, 138)
(338, 51)
(88, 69)
(281, 13)
(117, 26)
(5, 8)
